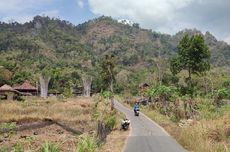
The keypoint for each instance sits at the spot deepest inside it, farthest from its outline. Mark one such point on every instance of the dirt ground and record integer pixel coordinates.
(74, 113)
(115, 141)
(33, 139)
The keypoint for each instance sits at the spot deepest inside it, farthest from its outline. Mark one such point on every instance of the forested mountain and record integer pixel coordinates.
(26, 49)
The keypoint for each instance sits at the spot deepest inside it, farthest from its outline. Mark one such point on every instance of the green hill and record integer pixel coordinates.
(25, 49)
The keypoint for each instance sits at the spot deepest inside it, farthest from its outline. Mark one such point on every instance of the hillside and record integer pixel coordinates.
(28, 48)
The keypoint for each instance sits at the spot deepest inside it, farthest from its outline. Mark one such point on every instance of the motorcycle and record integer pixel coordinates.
(125, 124)
(136, 112)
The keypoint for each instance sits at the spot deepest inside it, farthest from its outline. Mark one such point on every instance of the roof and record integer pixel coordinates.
(25, 86)
(6, 88)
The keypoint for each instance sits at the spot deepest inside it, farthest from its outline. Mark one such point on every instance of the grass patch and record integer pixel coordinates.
(210, 134)
(87, 144)
(50, 147)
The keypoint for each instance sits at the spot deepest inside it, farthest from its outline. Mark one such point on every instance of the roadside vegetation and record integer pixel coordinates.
(191, 105)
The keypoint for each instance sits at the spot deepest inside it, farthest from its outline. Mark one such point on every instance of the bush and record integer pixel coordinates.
(223, 93)
(162, 90)
(67, 92)
(106, 94)
(50, 147)
(18, 148)
(87, 144)
(110, 122)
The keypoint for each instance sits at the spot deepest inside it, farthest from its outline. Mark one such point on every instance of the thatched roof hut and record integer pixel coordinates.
(8, 91)
(6, 88)
(26, 87)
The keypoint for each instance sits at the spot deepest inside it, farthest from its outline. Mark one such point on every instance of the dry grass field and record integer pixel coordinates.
(206, 135)
(73, 113)
(52, 123)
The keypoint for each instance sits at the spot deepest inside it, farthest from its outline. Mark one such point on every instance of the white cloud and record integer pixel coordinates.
(170, 16)
(227, 39)
(20, 18)
(80, 3)
(149, 13)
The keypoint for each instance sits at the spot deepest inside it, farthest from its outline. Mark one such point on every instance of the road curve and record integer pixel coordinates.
(146, 135)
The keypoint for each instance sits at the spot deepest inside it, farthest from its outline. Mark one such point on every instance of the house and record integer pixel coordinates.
(27, 89)
(8, 91)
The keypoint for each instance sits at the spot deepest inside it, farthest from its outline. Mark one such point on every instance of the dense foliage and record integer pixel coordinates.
(193, 56)
(70, 52)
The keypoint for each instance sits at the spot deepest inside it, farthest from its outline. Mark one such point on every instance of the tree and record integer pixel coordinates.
(193, 56)
(164, 95)
(87, 81)
(108, 72)
(44, 82)
(5, 75)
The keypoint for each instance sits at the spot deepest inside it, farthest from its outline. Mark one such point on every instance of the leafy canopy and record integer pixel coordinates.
(193, 56)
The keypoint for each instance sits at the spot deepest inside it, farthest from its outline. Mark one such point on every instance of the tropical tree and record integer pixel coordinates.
(193, 56)
(107, 71)
(5, 75)
(164, 95)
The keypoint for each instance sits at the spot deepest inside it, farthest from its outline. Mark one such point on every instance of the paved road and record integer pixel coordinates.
(146, 135)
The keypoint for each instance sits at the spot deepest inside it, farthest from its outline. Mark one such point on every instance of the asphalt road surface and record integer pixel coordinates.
(146, 135)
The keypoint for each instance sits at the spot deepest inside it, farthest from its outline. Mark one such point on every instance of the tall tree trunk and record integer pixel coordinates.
(44, 82)
(111, 79)
(159, 73)
(87, 81)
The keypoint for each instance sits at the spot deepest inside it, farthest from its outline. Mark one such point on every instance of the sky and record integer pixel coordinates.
(165, 16)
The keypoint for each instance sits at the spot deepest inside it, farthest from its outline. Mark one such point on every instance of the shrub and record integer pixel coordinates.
(162, 90)
(110, 122)
(223, 93)
(18, 148)
(87, 144)
(67, 92)
(106, 94)
(10, 127)
(50, 147)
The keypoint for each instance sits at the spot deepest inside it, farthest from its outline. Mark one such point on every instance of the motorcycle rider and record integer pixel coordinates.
(136, 107)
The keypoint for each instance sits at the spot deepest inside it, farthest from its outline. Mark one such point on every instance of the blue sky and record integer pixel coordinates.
(69, 10)
(165, 16)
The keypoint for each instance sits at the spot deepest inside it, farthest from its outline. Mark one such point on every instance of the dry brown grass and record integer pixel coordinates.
(72, 110)
(75, 113)
(211, 135)
(115, 141)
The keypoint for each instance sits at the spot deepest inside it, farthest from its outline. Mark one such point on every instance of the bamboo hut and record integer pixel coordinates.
(8, 91)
